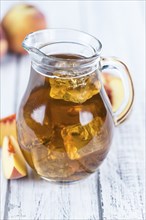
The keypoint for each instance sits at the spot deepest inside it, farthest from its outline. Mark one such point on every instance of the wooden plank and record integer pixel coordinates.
(8, 97)
(3, 193)
(32, 198)
(121, 177)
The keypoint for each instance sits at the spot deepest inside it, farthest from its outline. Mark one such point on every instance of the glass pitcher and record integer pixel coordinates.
(65, 121)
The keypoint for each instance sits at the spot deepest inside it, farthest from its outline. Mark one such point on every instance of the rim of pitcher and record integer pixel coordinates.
(97, 49)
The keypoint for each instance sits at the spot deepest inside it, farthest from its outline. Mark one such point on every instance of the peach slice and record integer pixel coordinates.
(13, 162)
(114, 88)
(8, 127)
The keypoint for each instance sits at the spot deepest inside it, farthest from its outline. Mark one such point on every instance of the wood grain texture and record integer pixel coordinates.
(3, 193)
(32, 198)
(117, 190)
(8, 86)
(121, 177)
(48, 200)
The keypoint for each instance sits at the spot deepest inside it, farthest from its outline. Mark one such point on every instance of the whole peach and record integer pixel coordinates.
(3, 43)
(19, 21)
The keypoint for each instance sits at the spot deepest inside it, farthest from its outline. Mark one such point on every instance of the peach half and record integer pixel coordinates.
(19, 21)
(114, 88)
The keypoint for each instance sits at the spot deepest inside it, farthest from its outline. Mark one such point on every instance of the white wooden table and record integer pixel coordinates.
(117, 190)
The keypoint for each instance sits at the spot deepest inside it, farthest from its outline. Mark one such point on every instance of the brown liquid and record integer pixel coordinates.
(64, 128)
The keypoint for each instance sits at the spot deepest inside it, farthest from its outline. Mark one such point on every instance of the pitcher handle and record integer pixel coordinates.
(112, 63)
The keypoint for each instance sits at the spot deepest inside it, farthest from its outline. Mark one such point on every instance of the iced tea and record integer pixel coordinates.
(64, 128)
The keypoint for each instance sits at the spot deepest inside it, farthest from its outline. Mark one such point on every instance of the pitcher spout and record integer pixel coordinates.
(32, 46)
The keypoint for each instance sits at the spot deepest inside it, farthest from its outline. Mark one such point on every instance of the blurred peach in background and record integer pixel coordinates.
(19, 21)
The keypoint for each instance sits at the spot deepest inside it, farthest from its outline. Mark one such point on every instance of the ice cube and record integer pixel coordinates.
(81, 140)
(76, 90)
(52, 162)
